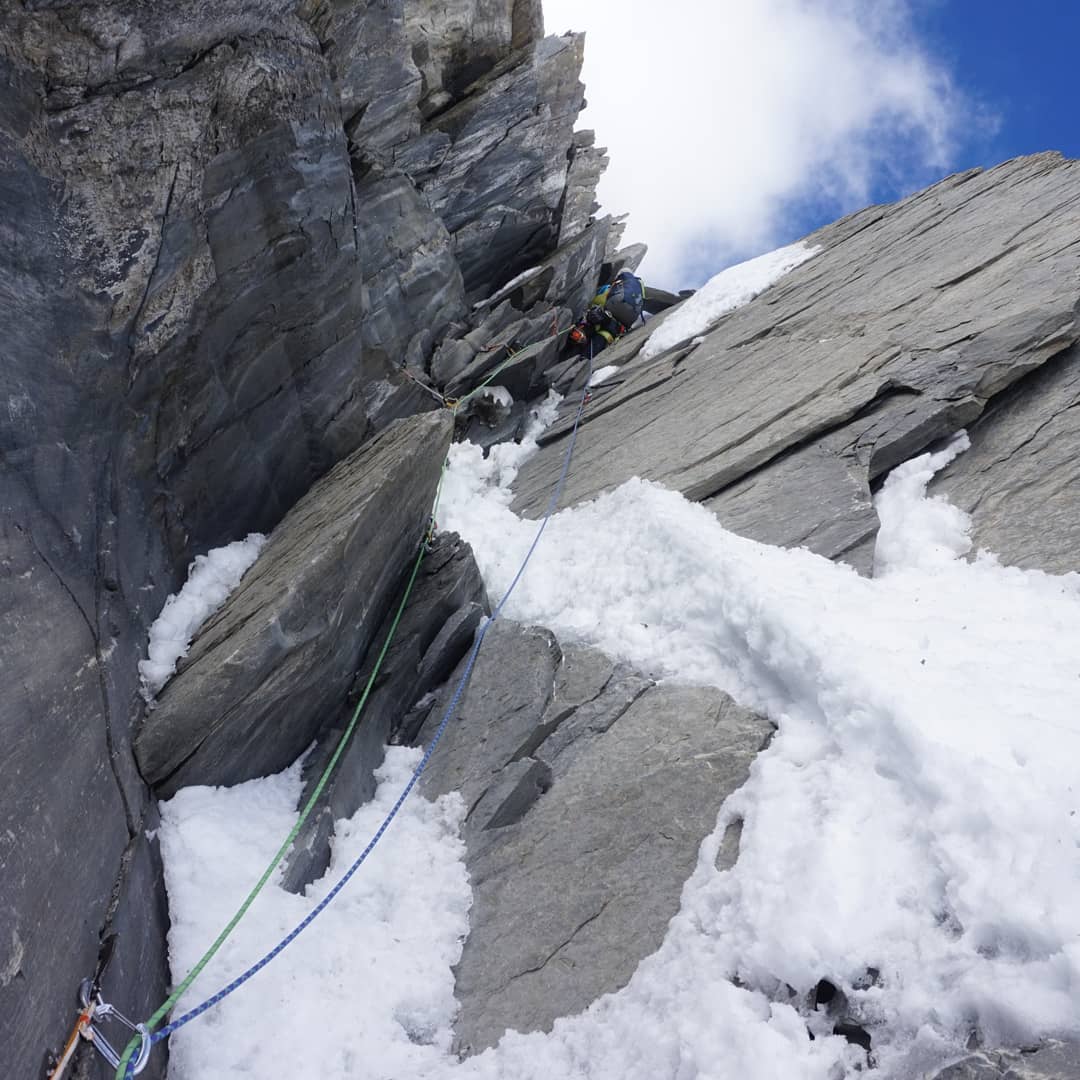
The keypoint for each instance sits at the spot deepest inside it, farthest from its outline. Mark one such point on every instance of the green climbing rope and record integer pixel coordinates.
(305, 813)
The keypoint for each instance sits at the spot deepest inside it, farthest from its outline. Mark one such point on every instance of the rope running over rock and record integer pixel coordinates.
(125, 1071)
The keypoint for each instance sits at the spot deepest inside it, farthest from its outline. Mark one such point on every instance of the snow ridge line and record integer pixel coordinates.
(126, 1069)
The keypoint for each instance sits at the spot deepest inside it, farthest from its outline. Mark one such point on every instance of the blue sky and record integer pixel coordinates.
(1015, 61)
(1020, 58)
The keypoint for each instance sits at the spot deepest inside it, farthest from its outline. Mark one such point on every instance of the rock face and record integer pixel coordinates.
(1019, 479)
(910, 320)
(1054, 1061)
(435, 631)
(226, 227)
(241, 241)
(589, 791)
(264, 672)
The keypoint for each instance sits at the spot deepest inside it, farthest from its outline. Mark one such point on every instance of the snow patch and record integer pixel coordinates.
(912, 816)
(499, 395)
(731, 288)
(369, 981)
(910, 834)
(211, 578)
(603, 374)
(917, 532)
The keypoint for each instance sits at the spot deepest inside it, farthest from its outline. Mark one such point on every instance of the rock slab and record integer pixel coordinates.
(436, 629)
(906, 324)
(589, 791)
(268, 669)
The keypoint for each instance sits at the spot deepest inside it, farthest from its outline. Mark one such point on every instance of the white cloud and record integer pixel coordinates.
(722, 116)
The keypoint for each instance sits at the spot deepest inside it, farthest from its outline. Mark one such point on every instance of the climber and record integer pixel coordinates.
(613, 311)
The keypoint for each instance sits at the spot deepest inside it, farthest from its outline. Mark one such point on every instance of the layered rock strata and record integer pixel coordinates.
(279, 656)
(227, 227)
(590, 789)
(901, 330)
(437, 627)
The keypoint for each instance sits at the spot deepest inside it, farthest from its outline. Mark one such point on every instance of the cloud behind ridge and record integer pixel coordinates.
(727, 120)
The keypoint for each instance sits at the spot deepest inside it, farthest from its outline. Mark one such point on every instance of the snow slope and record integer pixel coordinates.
(910, 834)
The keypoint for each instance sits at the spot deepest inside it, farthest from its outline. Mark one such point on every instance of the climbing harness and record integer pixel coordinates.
(127, 1065)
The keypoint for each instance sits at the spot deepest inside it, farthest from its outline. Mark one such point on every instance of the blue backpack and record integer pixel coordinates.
(625, 299)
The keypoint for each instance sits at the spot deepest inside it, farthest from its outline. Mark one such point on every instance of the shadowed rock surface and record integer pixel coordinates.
(436, 629)
(226, 227)
(280, 654)
(907, 323)
(589, 791)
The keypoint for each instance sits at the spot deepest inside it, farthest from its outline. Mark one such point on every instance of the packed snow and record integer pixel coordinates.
(731, 288)
(602, 374)
(910, 834)
(211, 577)
(367, 990)
(499, 396)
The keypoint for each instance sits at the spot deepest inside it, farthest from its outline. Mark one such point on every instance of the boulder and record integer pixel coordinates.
(909, 320)
(589, 790)
(268, 669)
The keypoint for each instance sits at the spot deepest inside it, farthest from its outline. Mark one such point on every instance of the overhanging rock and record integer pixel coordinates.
(269, 668)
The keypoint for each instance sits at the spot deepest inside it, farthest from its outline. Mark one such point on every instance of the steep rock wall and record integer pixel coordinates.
(226, 228)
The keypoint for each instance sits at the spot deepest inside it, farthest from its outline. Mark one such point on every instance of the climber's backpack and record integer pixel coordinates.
(625, 299)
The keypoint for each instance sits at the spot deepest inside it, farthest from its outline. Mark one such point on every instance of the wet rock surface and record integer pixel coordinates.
(589, 790)
(910, 320)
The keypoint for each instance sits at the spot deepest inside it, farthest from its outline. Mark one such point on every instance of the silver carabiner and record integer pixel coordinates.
(102, 1010)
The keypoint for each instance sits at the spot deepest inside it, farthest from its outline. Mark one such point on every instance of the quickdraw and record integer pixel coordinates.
(429, 536)
(92, 1010)
(90, 999)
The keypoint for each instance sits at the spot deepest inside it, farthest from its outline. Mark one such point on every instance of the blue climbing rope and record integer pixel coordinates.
(127, 1073)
